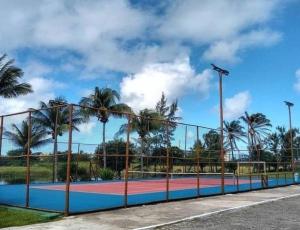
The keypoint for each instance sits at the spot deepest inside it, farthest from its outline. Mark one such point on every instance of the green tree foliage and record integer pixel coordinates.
(145, 123)
(211, 153)
(103, 103)
(19, 136)
(234, 132)
(258, 128)
(279, 143)
(9, 79)
(168, 113)
(55, 120)
(116, 154)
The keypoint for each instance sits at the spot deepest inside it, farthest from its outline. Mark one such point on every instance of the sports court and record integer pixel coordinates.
(277, 208)
(100, 195)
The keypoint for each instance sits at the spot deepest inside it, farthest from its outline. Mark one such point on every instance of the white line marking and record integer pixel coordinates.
(217, 212)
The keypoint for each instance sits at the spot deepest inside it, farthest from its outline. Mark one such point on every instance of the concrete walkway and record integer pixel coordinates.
(152, 215)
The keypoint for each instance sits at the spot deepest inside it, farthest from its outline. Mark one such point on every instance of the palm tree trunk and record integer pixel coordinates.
(104, 145)
(252, 146)
(249, 147)
(232, 154)
(257, 150)
(142, 154)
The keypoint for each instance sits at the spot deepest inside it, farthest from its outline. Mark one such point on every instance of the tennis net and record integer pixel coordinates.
(189, 178)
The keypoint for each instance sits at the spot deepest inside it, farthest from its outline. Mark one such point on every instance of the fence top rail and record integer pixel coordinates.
(128, 114)
(31, 110)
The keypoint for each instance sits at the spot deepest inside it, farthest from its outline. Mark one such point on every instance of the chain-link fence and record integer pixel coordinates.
(68, 159)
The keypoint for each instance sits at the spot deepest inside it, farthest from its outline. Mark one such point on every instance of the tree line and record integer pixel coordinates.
(49, 122)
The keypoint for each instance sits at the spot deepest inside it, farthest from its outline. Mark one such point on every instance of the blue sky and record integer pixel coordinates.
(142, 48)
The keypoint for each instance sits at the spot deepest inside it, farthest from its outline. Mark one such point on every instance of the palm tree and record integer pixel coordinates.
(102, 103)
(285, 141)
(55, 120)
(212, 145)
(9, 76)
(258, 128)
(145, 123)
(19, 136)
(233, 132)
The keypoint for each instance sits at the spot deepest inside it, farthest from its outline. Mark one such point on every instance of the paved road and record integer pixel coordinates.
(282, 214)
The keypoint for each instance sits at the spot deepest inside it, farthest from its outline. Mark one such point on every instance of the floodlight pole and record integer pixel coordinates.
(1, 133)
(289, 105)
(221, 72)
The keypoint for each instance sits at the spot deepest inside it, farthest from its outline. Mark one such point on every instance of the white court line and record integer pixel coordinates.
(217, 212)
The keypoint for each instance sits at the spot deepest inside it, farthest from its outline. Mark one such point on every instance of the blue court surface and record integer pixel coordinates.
(80, 202)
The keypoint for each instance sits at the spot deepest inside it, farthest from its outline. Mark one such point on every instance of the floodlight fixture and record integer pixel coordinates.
(56, 103)
(289, 104)
(220, 70)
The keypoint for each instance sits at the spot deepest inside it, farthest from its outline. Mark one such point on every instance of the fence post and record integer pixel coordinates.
(28, 159)
(285, 179)
(54, 160)
(250, 174)
(185, 153)
(168, 163)
(90, 170)
(198, 162)
(67, 201)
(127, 160)
(1, 133)
(77, 163)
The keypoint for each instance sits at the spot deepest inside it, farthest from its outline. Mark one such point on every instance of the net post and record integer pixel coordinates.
(28, 160)
(1, 133)
(67, 198)
(168, 162)
(198, 162)
(127, 160)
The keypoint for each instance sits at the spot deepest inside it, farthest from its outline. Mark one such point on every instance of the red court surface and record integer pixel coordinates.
(141, 186)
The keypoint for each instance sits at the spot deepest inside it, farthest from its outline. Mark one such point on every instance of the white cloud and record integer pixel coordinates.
(87, 127)
(297, 83)
(115, 35)
(207, 21)
(235, 106)
(144, 89)
(227, 51)
(190, 135)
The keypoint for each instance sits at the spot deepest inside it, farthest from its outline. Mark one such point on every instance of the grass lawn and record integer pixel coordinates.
(10, 216)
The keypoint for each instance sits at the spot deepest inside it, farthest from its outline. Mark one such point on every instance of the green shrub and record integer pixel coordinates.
(82, 173)
(106, 174)
(15, 180)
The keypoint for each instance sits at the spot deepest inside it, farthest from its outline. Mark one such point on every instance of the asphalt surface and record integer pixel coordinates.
(281, 214)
